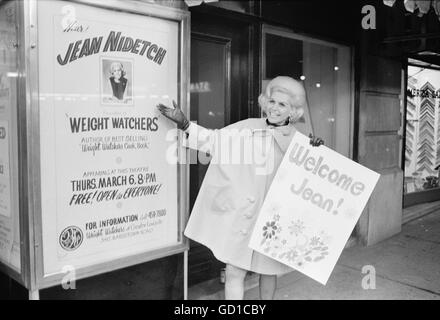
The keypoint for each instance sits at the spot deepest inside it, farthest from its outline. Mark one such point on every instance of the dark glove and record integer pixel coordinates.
(315, 141)
(176, 115)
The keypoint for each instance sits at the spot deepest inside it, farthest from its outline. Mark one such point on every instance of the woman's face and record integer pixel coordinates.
(117, 72)
(278, 107)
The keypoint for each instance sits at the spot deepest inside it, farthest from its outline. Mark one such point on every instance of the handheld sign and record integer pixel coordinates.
(311, 208)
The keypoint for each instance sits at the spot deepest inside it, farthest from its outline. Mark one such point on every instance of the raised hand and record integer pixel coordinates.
(176, 115)
(315, 141)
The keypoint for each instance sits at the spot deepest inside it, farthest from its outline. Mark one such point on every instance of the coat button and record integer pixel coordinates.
(251, 199)
(248, 215)
(244, 232)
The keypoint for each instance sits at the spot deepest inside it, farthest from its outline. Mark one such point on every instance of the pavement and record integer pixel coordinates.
(407, 266)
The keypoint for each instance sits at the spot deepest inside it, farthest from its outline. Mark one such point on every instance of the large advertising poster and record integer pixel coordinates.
(107, 189)
(9, 213)
(311, 208)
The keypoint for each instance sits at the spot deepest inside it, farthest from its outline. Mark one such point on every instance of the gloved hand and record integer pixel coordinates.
(315, 141)
(176, 115)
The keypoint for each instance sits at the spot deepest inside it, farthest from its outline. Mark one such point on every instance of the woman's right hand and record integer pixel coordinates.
(176, 115)
(315, 141)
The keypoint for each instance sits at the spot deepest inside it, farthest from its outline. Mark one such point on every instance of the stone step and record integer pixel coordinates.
(419, 210)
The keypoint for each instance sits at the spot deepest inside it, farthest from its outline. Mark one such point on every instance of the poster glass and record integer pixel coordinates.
(9, 213)
(107, 189)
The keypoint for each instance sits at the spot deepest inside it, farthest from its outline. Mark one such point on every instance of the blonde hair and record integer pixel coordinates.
(117, 64)
(295, 92)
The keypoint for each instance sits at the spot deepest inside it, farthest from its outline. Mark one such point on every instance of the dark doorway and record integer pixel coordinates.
(221, 90)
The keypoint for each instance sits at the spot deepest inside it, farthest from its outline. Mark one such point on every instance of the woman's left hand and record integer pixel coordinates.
(315, 141)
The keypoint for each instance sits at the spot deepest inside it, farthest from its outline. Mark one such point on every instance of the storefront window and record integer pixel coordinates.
(325, 70)
(422, 152)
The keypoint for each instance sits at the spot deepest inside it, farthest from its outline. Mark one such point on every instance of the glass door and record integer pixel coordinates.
(326, 70)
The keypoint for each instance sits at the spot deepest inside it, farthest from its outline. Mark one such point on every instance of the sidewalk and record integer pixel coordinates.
(407, 267)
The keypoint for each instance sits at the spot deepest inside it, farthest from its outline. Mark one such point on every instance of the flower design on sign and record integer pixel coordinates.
(270, 229)
(314, 241)
(296, 227)
(325, 238)
(299, 263)
(291, 255)
(298, 247)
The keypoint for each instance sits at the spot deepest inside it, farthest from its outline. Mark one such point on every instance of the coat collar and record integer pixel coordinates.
(282, 134)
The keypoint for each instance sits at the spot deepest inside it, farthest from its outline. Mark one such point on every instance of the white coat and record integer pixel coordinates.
(233, 190)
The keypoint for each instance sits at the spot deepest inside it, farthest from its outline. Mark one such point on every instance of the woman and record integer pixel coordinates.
(232, 193)
(117, 80)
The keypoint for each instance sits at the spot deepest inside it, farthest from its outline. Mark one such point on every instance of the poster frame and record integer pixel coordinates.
(35, 278)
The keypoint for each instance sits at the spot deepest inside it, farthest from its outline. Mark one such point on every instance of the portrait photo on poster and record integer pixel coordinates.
(116, 82)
